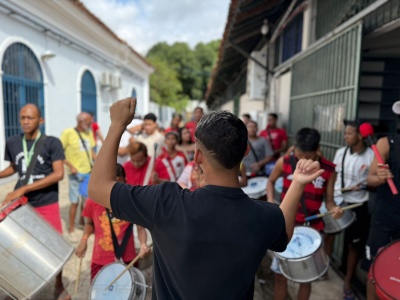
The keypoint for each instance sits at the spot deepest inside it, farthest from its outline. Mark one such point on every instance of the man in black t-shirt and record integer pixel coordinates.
(42, 186)
(208, 243)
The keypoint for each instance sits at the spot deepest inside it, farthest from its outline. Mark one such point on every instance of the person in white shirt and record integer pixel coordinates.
(149, 135)
(352, 167)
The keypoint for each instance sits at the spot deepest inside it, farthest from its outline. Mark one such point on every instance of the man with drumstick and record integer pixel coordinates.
(42, 186)
(352, 166)
(208, 243)
(385, 219)
(306, 147)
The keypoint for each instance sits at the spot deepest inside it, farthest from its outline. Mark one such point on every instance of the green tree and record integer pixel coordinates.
(165, 87)
(192, 67)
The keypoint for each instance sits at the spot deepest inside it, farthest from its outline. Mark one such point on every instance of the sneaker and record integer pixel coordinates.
(348, 295)
(73, 237)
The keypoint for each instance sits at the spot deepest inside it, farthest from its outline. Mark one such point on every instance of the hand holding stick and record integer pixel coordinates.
(78, 276)
(310, 218)
(126, 269)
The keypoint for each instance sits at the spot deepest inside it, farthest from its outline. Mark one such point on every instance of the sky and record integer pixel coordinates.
(144, 23)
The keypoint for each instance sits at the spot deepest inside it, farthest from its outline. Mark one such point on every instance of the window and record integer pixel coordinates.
(22, 84)
(88, 94)
(290, 41)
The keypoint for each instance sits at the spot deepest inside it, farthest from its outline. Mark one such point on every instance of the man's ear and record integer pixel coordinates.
(41, 121)
(198, 156)
(247, 150)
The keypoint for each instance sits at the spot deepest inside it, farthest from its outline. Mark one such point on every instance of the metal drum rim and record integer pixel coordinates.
(343, 228)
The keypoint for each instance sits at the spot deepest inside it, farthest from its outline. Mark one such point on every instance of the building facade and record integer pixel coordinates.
(59, 56)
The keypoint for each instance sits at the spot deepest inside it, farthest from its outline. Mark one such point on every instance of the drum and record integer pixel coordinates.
(32, 252)
(385, 272)
(304, 259)
(131, 285)
(256, 187)
(336, 225)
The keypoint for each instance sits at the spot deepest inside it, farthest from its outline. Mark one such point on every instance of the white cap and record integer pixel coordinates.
(396, 107)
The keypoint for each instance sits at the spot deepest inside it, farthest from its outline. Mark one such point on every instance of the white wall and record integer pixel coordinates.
(62, 73)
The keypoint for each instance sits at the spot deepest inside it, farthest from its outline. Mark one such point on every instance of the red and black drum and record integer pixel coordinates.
(385, 272)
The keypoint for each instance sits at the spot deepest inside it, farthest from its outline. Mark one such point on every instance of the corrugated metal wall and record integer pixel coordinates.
(324, 88)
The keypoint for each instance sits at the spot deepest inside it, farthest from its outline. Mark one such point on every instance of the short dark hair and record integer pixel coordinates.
(224, 136)
(252, 122)
(353, 123)
(136, 147)
(275, 116)
(198, 107)
(150, 116)
(307, 139)
(174, 115)
(174, 134)
(120, 171)
(246, 116)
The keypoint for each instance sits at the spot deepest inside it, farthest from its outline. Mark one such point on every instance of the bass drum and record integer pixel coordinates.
(385, 272)
(130, 286)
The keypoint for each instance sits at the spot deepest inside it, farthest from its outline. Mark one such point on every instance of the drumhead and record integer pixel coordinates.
(305, 242)
(386, 271)
(122, 289)
(256, 187)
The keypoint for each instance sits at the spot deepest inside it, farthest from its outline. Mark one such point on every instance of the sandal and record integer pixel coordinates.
(348, 295)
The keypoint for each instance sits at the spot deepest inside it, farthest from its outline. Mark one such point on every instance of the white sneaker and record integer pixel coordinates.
(73, 237)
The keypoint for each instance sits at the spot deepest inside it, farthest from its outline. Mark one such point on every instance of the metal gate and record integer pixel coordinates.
(325, 88)
(88, 94)
(22, 84)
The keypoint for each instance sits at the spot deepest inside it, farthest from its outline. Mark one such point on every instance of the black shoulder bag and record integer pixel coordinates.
(86, 149)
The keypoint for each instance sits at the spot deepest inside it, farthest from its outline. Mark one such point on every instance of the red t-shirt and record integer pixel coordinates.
(136, 176)
(313, 192)
(95, 127)
(173, 167)
(192, 128)
(278, 136)
(103, 251)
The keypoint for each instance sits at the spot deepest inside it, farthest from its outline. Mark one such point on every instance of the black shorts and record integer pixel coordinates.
(377, 239)
(357, 233)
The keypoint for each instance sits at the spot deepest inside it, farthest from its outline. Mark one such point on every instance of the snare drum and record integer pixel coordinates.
(385, 272)
(256, 187)
(333, 225)
(304, 259)
(130, 286)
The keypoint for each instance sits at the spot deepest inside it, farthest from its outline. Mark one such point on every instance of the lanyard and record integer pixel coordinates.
(28, 155)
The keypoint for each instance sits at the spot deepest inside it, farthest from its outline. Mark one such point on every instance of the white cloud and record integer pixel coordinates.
(143, 23)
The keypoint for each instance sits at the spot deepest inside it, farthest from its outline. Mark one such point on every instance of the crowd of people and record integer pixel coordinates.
(213, 162)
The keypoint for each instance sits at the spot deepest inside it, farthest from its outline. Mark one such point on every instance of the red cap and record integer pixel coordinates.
(366, 130)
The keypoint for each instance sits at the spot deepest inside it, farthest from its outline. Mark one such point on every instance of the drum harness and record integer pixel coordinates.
(261, 172)
(119, 248)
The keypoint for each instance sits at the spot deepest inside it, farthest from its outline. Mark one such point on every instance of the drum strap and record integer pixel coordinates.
(262, 170)
(119, 249)
(342, 171)
(302, 201)
(32, 164)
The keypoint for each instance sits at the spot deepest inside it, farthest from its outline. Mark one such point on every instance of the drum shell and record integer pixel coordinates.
(385, 272)
(259, 190)
(336, 225)
(135, 291)
(32, 252)
(304, 269)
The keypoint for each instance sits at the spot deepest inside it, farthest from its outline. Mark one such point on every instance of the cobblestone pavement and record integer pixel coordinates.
(329, 289)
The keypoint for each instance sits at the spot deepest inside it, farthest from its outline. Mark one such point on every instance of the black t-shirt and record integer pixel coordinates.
(386, 214)
(51, 151)
(208, 243)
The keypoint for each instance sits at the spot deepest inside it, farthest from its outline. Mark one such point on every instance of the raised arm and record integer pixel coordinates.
(306, 172)
(102, 178)
(379, 173)
(276, 173)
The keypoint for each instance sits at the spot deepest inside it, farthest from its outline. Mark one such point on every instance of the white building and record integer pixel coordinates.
(59, 56)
